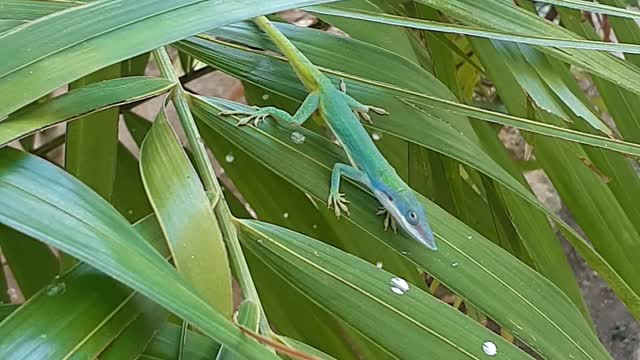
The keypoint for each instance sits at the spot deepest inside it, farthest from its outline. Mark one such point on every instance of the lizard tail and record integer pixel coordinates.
(306, 71)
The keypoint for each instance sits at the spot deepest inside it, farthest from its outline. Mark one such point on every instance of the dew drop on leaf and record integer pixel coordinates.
(489, 348)
(297, 138)
(56, 288)
(376, 135)
(229, 158)
(399, 286)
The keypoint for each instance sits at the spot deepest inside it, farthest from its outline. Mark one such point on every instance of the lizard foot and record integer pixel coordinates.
(388, 219)
(256, 116)
(338, 202)
(361, 110)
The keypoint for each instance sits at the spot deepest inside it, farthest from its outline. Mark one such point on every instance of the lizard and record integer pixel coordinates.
(343, 115)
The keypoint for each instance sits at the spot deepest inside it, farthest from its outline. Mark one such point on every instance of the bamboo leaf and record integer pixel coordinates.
(91, 143)
(125, 29)
(42, 201)
(505, 16)
(359, 292)
(465, 262)
(78, 102)
(187, 220)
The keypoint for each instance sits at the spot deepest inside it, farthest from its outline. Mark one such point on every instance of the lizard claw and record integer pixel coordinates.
(379, 111)
(338, 202)
(388, 219)
(363, 115)
(343, 86)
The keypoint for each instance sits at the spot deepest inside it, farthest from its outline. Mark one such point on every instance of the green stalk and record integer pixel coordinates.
(220, 208)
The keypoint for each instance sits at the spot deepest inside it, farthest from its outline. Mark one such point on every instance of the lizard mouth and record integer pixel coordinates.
(421, 233)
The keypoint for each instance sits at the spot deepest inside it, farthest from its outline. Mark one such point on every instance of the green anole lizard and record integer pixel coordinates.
(341, 111)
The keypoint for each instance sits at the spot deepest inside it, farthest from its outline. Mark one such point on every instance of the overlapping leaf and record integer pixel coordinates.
(42, 201)
(530, 306)
(34, 63)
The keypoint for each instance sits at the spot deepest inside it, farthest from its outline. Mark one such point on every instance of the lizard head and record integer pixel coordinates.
(409, 213)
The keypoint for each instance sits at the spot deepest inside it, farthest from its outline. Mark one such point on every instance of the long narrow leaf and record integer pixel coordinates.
(41, 200)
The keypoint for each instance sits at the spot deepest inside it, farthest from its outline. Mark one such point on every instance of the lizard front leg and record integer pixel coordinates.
(304, 112)
(337, 199)
(388, 219)
(361, 110)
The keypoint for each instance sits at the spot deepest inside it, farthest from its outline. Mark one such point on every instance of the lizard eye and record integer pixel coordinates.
(412, 218)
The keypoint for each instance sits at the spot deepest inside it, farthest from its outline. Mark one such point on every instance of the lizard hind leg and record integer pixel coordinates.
(256, 115)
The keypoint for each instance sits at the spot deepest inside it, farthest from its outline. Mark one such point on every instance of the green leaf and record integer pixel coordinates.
(598, 8)
(125, 29)
(91, 144)
(283, 304)
(166, 344)
(21, 253)
(504, 15)
(31, 9)
(80, 312)
(187, 220)
(480, 32)
(129, 196)
(361, 295)
(42, 201)
(435, 129)
(137, 125)
(7, 309)
(530, 306)
(70, 310)
(248, 316)
(586, 194)
(78, 102)
(133, 340)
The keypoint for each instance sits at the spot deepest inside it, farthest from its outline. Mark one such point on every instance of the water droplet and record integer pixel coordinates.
(455, 264)
(229, 158)
(315, 226)
(399, 286)
(297, 138)
(285, 215)
(193, 257)
(376, 135)
(379, 264)
(129, 211)
(406, 253)
(265, 96)
(316, 254)
(470, 237)
(260, 241)
(489, 348)
(43, 336)
(56, 288)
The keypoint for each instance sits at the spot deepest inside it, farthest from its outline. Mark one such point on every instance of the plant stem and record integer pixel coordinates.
(221, 210)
